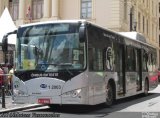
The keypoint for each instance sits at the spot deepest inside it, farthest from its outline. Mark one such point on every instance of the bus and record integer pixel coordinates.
(76, 62)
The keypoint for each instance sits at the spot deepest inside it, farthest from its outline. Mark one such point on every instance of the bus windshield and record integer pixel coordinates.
(50, 47)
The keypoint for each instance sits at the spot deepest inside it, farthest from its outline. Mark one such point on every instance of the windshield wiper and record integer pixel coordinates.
(67, 64)
(54, 64)
(59, 64)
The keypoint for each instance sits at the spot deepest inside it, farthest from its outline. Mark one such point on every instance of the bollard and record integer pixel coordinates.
(3, 72)
(3, 97)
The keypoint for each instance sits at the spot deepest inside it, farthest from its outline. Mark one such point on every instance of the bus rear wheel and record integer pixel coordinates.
(146, 87)
(109, 95)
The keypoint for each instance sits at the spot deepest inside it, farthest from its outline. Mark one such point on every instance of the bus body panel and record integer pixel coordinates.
(54, 90)
(44, 86)
(79, 86)
(153, 80)
(105, 56)
(96, 87)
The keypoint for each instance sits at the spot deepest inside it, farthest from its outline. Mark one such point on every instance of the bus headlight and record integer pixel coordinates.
(73, 93)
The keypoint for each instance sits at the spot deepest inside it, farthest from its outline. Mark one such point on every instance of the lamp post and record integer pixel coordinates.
(131, 22)
(134, 26)
(3, 95)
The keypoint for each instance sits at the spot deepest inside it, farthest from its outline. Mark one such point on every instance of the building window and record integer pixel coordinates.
(125, 9)
(37, 9)
(152, 32)
(152, 7)
(159, 7)
(147, 3)
(143, 24)
(159, 40)
(147, 28)
(86, 9)
(139, 21)
(14, 9)
(159, 23)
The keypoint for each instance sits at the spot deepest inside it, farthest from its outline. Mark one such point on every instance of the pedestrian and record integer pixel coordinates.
(10, 76)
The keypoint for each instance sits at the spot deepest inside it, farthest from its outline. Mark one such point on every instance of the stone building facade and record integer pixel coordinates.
(119, 15)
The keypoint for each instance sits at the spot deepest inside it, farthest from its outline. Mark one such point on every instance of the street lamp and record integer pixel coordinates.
(131, 14)
(134, 25)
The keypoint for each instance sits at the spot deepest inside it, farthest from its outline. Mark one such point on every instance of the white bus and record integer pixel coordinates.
(78, 62)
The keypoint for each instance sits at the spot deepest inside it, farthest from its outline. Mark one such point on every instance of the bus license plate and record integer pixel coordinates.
(44, 101)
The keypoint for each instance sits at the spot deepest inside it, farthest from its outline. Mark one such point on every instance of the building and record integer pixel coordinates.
(159, 27)
(119, 15)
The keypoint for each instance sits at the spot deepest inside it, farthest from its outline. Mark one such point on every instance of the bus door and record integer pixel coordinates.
(138, 54)
(121, 72)
(132, 70)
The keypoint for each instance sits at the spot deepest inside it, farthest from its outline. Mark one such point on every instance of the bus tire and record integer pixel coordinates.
(146, 87)
(109, 94)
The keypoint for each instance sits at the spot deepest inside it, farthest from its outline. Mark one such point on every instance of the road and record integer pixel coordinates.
(132, 107)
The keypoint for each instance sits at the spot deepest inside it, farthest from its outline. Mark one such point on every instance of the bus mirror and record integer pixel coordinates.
(82, 31)
(5, 43)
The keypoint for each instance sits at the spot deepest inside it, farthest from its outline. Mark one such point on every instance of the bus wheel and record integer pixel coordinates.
(109, 95)
(146, 87)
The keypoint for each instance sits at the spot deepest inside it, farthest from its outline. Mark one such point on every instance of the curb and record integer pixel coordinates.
(21, 108)
(6, 98)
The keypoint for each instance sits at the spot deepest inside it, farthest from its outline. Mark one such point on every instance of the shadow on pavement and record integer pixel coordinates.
(99, 109)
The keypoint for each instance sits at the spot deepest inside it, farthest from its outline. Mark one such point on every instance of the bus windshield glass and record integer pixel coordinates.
(50, 47)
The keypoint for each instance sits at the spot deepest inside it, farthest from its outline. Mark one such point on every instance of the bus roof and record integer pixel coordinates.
(134, 35)
(54, 21)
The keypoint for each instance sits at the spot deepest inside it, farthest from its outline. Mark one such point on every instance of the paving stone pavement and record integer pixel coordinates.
(11, 106)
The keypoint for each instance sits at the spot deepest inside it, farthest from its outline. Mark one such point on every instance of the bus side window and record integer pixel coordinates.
(145, 61)
(90, 57)
(150, 63)
(137, 59)
(130, 58)
(95, 59)
(154, 61)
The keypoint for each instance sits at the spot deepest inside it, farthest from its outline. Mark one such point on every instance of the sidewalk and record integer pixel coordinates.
(156, 90)
(10, 106)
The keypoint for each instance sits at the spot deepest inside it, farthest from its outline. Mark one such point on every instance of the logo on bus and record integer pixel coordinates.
(43, 85)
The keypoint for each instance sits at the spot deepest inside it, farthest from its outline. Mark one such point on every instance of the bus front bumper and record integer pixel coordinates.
(78, 96)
